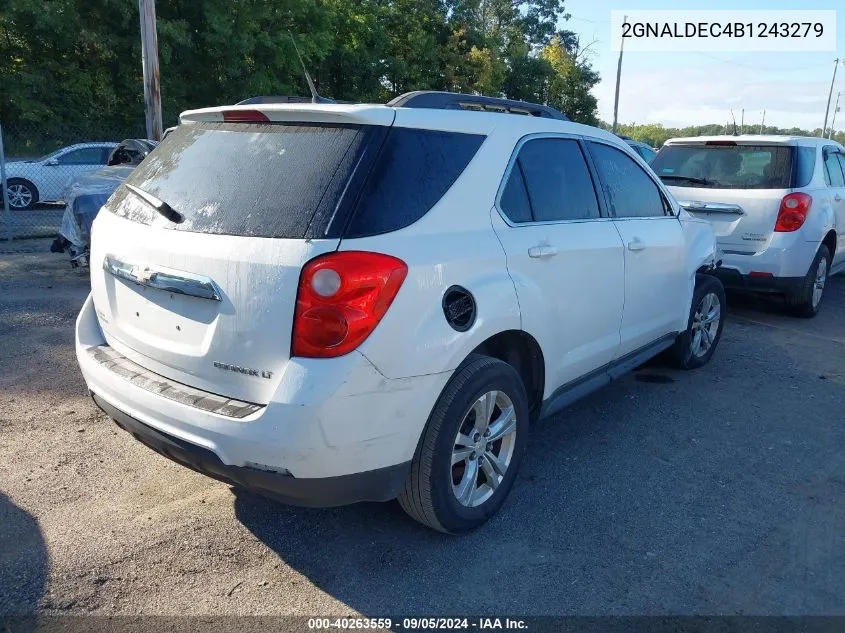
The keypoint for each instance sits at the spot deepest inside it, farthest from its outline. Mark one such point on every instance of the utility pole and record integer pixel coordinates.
(829, 95)
(149, 60)
(618, 76)
(835, 110)
(742, 122)
(763, 122)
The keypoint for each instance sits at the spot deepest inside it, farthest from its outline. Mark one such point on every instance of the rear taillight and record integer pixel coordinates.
(341, 299)
(245, 116)
(793, 211)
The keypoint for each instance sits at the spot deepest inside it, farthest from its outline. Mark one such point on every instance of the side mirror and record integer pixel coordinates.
(52, 162)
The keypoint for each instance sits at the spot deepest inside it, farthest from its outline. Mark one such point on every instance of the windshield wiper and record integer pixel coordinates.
(698, 181)
(159, 205)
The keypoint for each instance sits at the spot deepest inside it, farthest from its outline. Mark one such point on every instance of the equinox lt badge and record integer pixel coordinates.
(243, 370)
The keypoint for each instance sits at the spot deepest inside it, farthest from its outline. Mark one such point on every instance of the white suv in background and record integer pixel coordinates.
(336, 303)
(776, 203)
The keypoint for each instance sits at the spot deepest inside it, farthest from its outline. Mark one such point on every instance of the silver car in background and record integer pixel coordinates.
(776, 203)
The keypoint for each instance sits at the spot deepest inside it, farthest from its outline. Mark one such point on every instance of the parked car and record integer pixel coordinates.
(86, 194)
(643, 149)
(44, 179)
(372, 302)
(777, 204)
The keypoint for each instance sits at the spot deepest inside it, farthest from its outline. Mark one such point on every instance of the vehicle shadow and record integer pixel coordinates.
(24, 562)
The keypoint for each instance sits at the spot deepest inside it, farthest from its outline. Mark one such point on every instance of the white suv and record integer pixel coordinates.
(776, 203)
(336, 303)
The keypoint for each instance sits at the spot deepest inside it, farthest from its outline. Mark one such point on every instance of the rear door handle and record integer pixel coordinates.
(837, 197)
(636, 244)
(169, 281)
(544, 250)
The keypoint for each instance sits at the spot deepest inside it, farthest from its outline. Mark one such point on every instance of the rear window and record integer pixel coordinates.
(254, 180)
(295, 180)
(725, 166)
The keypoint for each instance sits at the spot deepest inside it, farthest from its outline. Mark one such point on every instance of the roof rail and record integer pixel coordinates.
(285, 99)
(457, 101)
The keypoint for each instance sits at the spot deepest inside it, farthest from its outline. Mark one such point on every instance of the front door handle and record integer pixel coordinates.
(542, 251)
(636, 244)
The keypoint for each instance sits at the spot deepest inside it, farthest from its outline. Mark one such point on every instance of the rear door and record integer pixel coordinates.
(834, 178)
(208, 299)
(737, 187)
(564, 257)
(69, 165)
(656, 283)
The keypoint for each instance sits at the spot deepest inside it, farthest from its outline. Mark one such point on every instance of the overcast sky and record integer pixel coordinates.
(697, 88)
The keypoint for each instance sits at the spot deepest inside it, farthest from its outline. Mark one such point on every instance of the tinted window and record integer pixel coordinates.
(805, 165)
(514, 202)
(86, 156)
(842, 161)
(832, 171)
(245, 179)
(557, 182)
(725, 166)
(414, 169)
(647, 153)
(631, 193)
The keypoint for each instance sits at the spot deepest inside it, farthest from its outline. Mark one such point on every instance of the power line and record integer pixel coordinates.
(780, 69)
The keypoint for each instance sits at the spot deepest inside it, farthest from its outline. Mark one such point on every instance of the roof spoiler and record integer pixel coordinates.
(456, 101)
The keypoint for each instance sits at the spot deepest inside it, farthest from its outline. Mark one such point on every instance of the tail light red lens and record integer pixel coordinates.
(793, 211)
(341, 299)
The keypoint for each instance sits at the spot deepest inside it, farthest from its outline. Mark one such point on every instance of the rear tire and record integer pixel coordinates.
(23, 194)
(806, 302)
(695, 347)
(459, 476)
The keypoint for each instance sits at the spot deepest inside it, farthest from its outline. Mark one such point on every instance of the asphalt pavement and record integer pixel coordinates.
(716, 491)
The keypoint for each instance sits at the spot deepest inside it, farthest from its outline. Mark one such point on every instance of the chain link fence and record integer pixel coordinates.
(37, 167)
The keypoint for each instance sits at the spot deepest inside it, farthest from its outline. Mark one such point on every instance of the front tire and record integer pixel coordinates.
(23, 194)
(695, 346)
(807, 300)
(471, 448)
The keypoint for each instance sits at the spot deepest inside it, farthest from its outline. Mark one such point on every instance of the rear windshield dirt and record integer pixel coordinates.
(296, 180)
(244, 179)
(725, 166)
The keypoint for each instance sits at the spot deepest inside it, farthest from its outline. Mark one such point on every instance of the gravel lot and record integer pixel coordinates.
(720, 491)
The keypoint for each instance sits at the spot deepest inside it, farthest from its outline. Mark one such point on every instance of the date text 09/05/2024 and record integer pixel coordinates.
(418, 624)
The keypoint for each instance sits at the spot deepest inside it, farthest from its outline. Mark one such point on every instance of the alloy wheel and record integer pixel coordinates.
(819, 282)
(20, 196)
(483, 448)
(705, 324)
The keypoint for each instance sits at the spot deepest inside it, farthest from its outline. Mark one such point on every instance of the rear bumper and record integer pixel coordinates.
(335, 432)
(734, 280)
(382, 484)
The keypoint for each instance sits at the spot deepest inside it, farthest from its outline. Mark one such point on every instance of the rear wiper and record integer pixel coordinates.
(698, 181)
(159, 205)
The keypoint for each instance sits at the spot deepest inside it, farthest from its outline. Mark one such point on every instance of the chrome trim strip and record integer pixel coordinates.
(694, 206)
(162, 279)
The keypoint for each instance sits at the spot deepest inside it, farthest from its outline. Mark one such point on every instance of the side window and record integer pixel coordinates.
(630, 191)
(832, 170)
(552, 177)
(514, 200)
(646, 153)
(84, 156)
(805, 165)
(414, 169)
(841, 162)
